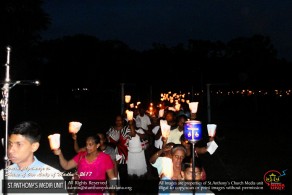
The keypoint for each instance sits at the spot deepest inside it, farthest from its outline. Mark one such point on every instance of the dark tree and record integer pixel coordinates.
(21, 23)
(83, 60)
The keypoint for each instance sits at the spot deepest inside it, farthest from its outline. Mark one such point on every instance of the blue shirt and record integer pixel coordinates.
(37, 170)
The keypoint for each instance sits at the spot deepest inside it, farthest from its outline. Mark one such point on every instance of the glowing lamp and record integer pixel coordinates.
(54, 140)
(193, 107)
(74, 127)
(127, 98)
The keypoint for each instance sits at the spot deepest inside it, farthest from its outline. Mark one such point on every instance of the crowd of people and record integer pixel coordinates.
(131, 152)
(162, 157)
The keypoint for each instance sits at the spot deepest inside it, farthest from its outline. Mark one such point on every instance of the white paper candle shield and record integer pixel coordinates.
(177, 107)
(212, 147)
(74, 126)
(165, 128)
(193, 107)
(54, 140)
(172, 109)
(127, 98)
(211, 129)
(129, 115)
(132, 105)
(167, 167)
(163, 122)
(161, 113)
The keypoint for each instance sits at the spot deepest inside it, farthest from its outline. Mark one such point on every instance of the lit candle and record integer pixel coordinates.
(132, 105)
(74, 127)
(165, 128)
(177, 107)
(161, 113)
(127, 98)
(129, 115)
(193, 107)
(211, 129)
(54, 140)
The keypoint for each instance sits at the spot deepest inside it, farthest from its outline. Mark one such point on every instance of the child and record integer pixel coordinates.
(187, 173)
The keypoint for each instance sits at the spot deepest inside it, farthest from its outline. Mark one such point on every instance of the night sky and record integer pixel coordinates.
(139, 24)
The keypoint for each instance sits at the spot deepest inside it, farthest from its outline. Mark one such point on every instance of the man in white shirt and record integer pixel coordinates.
(143, 120)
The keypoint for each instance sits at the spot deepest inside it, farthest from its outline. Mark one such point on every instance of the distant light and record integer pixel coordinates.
(80, 89)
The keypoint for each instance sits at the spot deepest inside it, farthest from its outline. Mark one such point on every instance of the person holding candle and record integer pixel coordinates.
(178, 153)
(175, 134)
(118, 136)
(136, 164)
(162, 161)
(23, 142)
(143, 121)
(189, 154)
(91, 164)
(104, 147)
(156, 130)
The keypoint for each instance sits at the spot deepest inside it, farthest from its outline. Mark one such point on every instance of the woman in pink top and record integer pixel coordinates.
(92, 164)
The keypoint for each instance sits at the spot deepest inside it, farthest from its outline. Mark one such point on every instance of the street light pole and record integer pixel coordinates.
(5, 114)
(122, 97)
(7, 85)
(209, 99)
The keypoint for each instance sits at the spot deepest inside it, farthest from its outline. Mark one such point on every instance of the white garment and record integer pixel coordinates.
(143, 121)
(174, 136)
(136, 157)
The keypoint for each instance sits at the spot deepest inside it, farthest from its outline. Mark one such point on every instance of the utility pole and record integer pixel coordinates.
(209, 98)
(122, 97)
